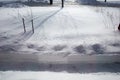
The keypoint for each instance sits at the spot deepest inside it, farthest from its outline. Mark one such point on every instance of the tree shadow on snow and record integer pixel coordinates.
(15, 41)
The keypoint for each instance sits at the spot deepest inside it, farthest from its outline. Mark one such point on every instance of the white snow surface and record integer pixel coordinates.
(75, 29)
(17, 75)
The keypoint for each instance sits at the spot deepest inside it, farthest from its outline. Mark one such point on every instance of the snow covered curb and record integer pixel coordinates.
(59, 58)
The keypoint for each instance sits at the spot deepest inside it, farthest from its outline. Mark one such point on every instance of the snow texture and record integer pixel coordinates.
(78, 30)
(75, 29)
(10, 75)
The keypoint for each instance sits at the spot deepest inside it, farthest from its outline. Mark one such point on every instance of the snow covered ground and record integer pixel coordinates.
(10, 75)
(65, 39)
(75, 29)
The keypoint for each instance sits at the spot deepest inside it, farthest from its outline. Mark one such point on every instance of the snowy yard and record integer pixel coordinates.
(77, 42)
(75, 29)
(73, 33)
